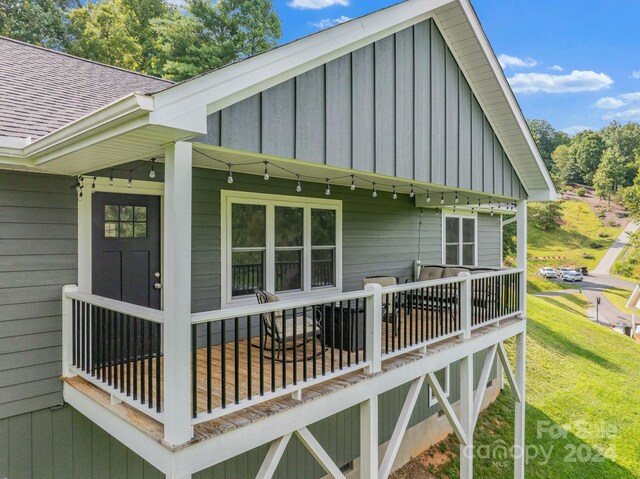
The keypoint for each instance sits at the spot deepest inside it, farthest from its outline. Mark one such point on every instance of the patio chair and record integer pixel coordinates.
(390, 306)
(285, 340)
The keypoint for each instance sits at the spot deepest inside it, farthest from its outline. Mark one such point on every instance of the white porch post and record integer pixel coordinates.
(465, 305)
(466, 416)
(521, 344)
(373, 332)
(177, 292)
(369, 438)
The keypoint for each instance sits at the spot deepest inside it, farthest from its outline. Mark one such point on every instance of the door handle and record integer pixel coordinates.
(158, 285)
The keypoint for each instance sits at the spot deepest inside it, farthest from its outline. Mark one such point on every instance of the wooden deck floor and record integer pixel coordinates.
(249, 376)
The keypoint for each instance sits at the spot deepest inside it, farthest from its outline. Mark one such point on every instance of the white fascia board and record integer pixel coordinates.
(543, 194)
(33, 154)
(181, 106)
(508, 94)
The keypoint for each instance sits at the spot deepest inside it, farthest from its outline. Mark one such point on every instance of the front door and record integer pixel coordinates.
(126, 248)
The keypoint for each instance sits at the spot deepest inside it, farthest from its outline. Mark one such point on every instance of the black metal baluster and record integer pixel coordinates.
(333, 336)
(109, 345)
(274, 327)
(209, 390)
(150, 364)
(304, 342)
(236, 359)
(357, 326)
(295, 345)
(98, 336)
(364, 326)
(135, 358)
(194, 370)
(283, 338)
(342, 335)
(74, 331)
(386, 324)
(143, 366)
(262, 339)
(223, 361)
(122, 357)
(323, 346)
(249, 365)
(315, 340)
(158, 372)
(128, 353)
(350, 319)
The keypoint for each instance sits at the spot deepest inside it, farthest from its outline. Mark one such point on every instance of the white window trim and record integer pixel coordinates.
(446, 387)
(227, 198)
(450, 214)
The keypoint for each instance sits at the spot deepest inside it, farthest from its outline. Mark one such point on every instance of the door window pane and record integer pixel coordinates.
(452, 230)
(247, 272)
(111, 212)
(126, 213)
(126, 230)
(111, 230)
(323, 270)
(323, 227)
(288, 270)
(289, 226)
(451, 254)
(139, 230)
(140, 213)
(248, 226)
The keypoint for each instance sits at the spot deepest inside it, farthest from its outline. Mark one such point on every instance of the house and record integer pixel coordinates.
(139, 218)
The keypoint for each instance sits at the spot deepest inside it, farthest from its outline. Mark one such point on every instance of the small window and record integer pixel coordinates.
(444, 378)
(125, 221)
(460, 240)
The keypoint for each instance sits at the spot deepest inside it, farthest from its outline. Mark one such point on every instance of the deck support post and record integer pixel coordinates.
(369, 438)
(466, 416)
(176, 281)
(519, 446)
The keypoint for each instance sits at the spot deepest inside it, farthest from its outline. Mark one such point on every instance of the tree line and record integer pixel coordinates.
(608, 159)
(153, 37)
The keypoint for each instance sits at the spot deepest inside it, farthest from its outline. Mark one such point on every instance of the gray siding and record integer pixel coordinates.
(38, 255)
(399, 107)
(489, 240)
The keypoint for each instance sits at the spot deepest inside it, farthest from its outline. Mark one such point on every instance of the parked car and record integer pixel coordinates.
(562, 271)
(573, 276)
(548, 272)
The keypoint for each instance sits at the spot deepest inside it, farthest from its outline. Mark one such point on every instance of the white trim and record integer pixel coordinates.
(271, 461)
(318, 452)
(446, 213)
(447, 408)
(229, 197)
(433, 397)
(85, 219)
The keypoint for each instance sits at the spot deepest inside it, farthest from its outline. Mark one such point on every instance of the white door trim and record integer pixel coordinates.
(120, 185)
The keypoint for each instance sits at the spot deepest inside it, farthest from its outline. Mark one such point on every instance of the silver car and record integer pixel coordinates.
(572, 276)
(548, 273)
(562, 271)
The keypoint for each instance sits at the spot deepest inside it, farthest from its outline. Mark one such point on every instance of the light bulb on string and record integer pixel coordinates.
(395, 195)
(467, 201)
(93, 184)
(428, 197)
(442, 198)
(353, 182)
(230, 175)
(412, 194)
(374, 193)
(152, 172)
(328, 190)
(298, 185)
(111, 177)
(130, 181)
(266, 171)
(456, 199)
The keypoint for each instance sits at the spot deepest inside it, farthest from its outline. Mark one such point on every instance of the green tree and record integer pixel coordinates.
(564, 170)
(609, 175)
(588, 150)
(546, 215)
(547, 138)
(212, 34)
(118, 32)
(39, 22)
(626, 140)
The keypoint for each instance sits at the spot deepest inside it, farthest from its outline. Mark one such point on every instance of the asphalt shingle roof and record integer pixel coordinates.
(42, 90)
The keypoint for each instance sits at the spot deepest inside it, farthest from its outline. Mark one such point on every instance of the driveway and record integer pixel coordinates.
(599, 279)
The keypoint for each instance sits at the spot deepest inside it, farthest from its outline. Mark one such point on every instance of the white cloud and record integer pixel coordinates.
(631, 114)
(609, 103)
(572, 130)
(635, 74)
(515, 62)
(316, 4)
(630, 97)
(576, 81)
(330, 22)
(556, 68)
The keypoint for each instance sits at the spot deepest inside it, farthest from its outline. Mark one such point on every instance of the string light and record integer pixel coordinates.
(353, 182)
(328, 190)
(266, 171)
(412, 194)
(437, 211)
(442, 198)
(395, 195)
(479, 203)
(93, 185)
(467, 201)
(298, 185)
(374, 193)
(152, 172)
(130, 181)
(230, 176)
(79, 187)
(428, 197)
(456, 200)
(111, 177)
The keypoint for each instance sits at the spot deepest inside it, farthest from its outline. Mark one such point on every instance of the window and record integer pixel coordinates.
(125, 221)
(459, 240)
(443, 377)
(278, 243)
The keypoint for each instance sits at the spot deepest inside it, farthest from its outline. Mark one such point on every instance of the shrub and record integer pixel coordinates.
(547, 215)
(595, 245)
(612, 223)
(604, 235)
(581, 191)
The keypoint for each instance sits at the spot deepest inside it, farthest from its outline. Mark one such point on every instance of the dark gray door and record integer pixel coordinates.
(126, 248)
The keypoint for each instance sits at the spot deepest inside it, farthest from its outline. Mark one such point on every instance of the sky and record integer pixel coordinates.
(575, 63)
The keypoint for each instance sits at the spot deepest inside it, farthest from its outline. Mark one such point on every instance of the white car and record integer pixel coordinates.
(573, 276)
(562, 271)
(547, 272)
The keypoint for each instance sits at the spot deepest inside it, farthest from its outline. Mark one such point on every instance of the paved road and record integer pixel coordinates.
(599, 279)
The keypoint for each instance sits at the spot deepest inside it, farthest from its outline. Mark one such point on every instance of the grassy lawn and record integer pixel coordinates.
(618, 297)
(628, 267)
(581, 240)
(583, 403)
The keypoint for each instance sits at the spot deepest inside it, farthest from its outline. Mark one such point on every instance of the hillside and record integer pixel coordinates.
(583, 398)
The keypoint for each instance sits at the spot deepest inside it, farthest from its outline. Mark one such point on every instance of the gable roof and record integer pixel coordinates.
(42, 90)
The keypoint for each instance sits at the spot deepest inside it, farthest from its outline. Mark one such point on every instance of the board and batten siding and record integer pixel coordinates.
(38, 256)
(489, 240)
(399, 107)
